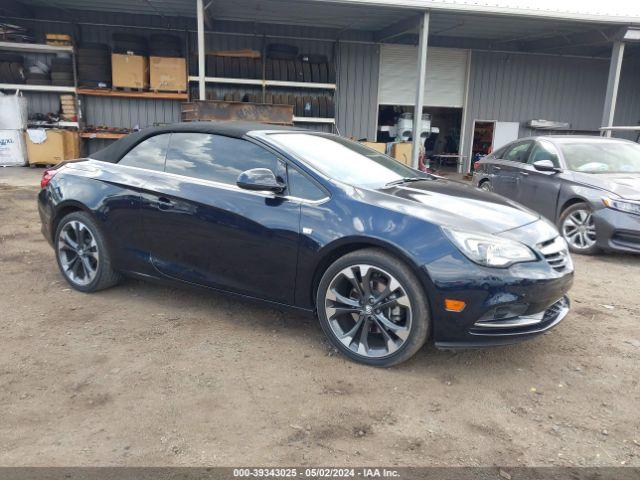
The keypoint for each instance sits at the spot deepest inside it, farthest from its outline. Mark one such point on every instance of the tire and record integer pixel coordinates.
(315, 73)
(220, 71)
(315, 107)
(331, 72)
(268, 74)
(331, 108)
(298, 110)
(486, 186)
(307, 106)
(322, 102)
(99, 263)
(306, 72)
(323, 73)
(410, 327)
(578, 218)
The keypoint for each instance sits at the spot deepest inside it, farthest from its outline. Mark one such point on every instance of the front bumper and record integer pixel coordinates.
(616, 230)
(503, 306)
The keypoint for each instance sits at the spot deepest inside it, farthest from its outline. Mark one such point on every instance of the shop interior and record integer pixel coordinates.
(440, 131)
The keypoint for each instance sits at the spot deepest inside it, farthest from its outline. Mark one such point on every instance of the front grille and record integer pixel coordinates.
(556, 253)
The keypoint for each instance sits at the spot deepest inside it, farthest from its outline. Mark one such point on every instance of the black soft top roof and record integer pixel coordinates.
(116, 150)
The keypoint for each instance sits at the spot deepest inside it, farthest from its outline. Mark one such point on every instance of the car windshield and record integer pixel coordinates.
(346, 161)
(602, 156)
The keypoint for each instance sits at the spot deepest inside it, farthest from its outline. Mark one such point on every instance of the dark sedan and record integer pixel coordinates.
(588, 186)
(385, 255)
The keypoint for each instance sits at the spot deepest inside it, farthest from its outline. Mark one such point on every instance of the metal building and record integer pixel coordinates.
(485, 70)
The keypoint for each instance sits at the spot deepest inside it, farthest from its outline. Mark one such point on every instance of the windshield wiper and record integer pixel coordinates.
(400, 181)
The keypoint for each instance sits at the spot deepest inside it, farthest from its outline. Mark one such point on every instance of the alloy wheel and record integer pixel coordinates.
(78, 253)
(368, 311)
(579, 229)
(486, 186)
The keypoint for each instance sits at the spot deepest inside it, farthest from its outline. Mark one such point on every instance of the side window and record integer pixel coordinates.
(215, 157)
(149, 153)
(544, 151)
(518, 153)
(302, 187)
(499, 153)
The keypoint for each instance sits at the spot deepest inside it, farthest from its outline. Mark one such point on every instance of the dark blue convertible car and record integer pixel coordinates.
(386, 256)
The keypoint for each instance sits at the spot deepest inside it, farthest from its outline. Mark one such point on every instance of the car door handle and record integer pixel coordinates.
(497, 168)
(164, 203)
(524, 174)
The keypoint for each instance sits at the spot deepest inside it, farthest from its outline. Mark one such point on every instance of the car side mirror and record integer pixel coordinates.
(260, 179)
(545, 166)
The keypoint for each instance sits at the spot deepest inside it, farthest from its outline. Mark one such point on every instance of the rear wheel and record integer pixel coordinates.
(82, 254)
(579, 229)
(373, 308)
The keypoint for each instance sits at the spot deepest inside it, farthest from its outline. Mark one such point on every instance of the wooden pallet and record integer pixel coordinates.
(105, 92)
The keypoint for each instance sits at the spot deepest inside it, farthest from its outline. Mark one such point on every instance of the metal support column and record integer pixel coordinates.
(202, 93)
(612, 86)
(422, 73)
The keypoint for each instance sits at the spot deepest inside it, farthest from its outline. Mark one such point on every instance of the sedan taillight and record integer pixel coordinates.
(48, 174)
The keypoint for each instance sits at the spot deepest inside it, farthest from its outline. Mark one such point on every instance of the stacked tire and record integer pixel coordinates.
(233, 67)
(12, 69)
(94, 65)
(62, 71)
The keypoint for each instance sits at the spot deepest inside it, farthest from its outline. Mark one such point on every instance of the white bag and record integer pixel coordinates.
(13, 112)
(13, 151)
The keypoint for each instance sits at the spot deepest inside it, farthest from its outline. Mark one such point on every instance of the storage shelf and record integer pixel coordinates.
(102, 135)
(313, 120)
(36, 88)
(320, 86)
(34, 47)
(268, 83)
(62, 124)
(98, 92)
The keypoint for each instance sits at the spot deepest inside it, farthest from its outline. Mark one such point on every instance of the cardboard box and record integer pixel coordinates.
(168, 74)
(401, 151)
(129, 71)
(380, 147)
(12, 148)
(51, 146)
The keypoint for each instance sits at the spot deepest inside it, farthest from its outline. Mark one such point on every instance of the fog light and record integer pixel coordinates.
(451, 305)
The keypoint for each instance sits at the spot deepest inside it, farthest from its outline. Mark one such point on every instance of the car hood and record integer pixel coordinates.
(457, 205)
(626, 185)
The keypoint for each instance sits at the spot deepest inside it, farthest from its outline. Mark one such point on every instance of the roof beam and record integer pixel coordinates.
(406, 25)
(576, 39)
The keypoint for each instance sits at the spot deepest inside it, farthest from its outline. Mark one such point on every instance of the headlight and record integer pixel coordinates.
(623, 206)
(489, 250)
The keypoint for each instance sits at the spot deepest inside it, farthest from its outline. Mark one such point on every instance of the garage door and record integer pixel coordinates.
(446, 76)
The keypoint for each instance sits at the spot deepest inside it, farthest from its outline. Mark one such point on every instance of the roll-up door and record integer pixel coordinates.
(446, 75)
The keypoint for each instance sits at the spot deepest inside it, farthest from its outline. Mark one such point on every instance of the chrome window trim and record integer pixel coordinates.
(224, 186)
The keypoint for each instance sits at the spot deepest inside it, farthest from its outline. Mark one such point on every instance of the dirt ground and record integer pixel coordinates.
(144, 374)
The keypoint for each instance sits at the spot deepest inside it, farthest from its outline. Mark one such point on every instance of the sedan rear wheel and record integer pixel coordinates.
(373, 308)
(578, 229)
(82, 254)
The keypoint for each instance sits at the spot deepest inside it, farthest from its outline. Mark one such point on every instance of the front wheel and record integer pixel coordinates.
(373, 308)
(486, 186)
(579, 229)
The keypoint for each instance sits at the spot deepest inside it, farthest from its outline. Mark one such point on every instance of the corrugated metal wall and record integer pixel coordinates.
(357, 86)
(518, 88)
(357, 105)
